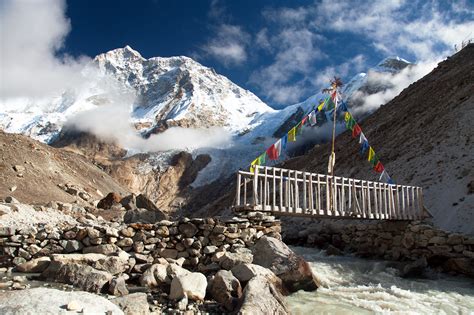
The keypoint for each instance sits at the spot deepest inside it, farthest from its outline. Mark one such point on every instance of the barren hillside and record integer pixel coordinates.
(31, 172)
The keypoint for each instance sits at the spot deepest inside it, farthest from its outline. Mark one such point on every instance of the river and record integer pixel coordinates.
(351, 285)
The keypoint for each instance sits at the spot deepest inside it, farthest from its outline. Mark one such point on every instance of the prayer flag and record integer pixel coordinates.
(284, 141)
(347, 116)
(390, 181)
(252, 165)
(382, 176)
(330, 115)
(334, 96)
(371, 154)
(356, 131)
(350, 123)
(364, 147)
(292, 135)
(304, 120)
(312, 119)
(274, 151)
(299, 128)
(261, 158)
(342, 107)
(329, 104)
(320, 107)
(374, 160)
(362, 138)
(379, 167)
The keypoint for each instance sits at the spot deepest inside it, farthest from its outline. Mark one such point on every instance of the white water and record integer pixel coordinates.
(352, 285)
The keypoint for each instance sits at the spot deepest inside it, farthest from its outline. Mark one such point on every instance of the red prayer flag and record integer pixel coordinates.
(356, 131)
(379, 167)
(304, 120)
(272, 153)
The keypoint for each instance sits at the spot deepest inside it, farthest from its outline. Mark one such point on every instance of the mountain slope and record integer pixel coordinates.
(32, 172)
(424, 137)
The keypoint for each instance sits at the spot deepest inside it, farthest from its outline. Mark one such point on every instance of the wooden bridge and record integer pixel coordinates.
(297, 193)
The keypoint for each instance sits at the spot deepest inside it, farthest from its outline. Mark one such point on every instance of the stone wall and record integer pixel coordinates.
(200, 244)
(394, 240)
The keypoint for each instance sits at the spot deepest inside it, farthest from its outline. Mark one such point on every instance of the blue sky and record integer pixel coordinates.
(283, 51)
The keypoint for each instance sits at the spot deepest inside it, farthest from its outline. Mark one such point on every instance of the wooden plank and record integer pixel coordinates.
(296, 192)
(274, 189)
(328, 196)
(281, 189)
(319, 194)
(237, 193)
(311, 194)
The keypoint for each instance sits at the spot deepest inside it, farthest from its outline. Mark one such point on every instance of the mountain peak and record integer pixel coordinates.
(392, 64)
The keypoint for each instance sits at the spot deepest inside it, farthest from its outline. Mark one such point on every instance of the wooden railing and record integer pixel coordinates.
(296, 193)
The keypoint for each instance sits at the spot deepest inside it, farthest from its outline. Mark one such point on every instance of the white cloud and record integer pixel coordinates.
(228, 45)
(296, 51)
(111, 122)
(32, 35)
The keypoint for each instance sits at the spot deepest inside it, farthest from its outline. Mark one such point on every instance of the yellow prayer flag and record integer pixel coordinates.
(371, 154)
(252, 165)
(321, 105)
(292, 134)
(347, 116)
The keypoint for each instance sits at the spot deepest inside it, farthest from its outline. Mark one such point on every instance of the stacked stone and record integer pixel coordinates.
(399, 241)
(201, 244)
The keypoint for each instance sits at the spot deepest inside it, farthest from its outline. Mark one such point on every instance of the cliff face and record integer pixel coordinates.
(424, 137)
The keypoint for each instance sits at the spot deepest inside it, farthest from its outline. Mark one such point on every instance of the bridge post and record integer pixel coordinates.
(255, 186)
(238, 189)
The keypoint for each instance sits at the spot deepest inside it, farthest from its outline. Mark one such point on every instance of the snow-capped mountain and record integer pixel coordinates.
(160, 93)
(163, 92)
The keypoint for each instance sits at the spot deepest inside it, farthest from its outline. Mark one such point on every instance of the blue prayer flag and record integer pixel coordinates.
(284, 141)
(364, 147)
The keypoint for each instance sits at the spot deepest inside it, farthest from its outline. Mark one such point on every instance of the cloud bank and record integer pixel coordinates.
(31, 63)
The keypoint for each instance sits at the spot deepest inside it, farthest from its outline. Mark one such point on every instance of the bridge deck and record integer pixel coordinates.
(295, 193)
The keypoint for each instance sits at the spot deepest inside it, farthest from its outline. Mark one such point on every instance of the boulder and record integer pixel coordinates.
(333, 251)
(229, 260)
(109, 201)
(154, 276)
(105, 249)
(142, 215)
(188, 229)
(112, 264)
(143, 202)
(193, 285)
(129, 202)
(292, 269)
(226, 289)
(34, 265)
(461, 265)
(81, 276)
(118, 287)
(53, 301)
(260, 296)
(133, 304)
(245, 272)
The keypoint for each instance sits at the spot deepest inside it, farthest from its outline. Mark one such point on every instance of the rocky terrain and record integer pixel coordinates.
(143, 263)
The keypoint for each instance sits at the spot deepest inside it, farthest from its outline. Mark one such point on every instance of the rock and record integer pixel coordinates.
(19, 168)
(260, 296)
(81, 276)
(168, 253)
(74, 306)
(463, 266)
(34, 265)
(7, 231)
(188, 229)
(118, 287)
(182, 304)
(155, 275)
(133, 304)
(53, 301)
(193, 285)
(333, 251)
(229, 260)
(226, 289)
(142, 216)
(415, 268)
(173, 271)
(129, 202)
(110, 200)
(144, 202)
(111, 264)
(71, 246)
(245, 272)
(105, 249)
(210, 249)
(292, 269)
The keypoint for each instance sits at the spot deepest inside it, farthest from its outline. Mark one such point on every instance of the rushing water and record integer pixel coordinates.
(352, 285)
